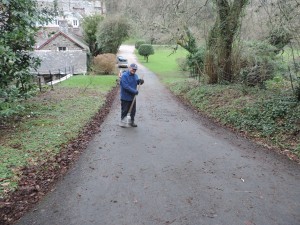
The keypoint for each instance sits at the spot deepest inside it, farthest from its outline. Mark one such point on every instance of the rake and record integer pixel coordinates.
(127, 119)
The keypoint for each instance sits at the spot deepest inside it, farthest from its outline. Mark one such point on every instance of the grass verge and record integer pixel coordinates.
(50, 120)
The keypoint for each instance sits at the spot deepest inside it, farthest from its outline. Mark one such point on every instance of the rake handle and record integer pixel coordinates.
(129, 111)
(130, 108)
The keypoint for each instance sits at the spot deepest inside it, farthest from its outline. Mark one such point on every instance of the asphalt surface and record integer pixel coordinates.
(174, 168)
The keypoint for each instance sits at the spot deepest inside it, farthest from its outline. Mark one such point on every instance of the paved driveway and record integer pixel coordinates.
(174, 168)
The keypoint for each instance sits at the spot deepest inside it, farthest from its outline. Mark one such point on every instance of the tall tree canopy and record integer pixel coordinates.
(90, 25)
(111, 33)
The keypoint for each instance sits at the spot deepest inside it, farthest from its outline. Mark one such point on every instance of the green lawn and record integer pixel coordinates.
(50, 120)
(164, 63)
(101, 83)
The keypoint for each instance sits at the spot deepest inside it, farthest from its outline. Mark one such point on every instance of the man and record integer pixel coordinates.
(128, 84)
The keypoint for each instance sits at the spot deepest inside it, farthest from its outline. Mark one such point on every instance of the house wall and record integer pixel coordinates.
(62, 61)
(61, 41)
(84, 7)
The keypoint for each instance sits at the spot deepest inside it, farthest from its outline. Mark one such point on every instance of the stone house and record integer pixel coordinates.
(63, 53)
(84, 7)
(59, 43)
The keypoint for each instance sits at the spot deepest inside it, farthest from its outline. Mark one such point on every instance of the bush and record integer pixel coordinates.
(104, 63)
(10, 99)
(279, 38)
(182, 64)
(297, 89)
(139, 43)
(257, 63)
(278, 84)
(146, 50)
(195, 61)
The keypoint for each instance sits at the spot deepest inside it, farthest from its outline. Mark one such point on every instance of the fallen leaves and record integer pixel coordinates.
(5, 184)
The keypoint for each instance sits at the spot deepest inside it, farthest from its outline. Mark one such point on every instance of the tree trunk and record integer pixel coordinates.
(222, 36)
(210, 62)
(210, 68)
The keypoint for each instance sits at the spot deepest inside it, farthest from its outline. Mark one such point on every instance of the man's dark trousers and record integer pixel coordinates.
(125, 105)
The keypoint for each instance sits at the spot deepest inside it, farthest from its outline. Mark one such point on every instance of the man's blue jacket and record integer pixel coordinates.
(128, 85)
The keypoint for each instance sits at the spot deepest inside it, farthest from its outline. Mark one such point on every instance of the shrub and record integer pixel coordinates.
(277, 84)
(279, 38)
(146, 50)
(10, 99)
(139, 43)
(297, 89)
(195, 61)
(17, 40)
(182, 64)
(257, 63)
(104, 63)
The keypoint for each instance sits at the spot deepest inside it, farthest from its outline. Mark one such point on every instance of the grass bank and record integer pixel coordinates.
(270, 116)
(50, 120)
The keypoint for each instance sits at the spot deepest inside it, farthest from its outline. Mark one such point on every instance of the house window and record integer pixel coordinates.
(62, 48)
(75, 23)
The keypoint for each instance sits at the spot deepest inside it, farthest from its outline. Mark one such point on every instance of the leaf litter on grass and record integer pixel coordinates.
(42, 147)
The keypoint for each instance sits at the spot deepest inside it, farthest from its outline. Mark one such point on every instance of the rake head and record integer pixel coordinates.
(126, 121)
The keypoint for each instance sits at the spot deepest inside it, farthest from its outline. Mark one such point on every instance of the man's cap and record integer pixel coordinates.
(134, 66)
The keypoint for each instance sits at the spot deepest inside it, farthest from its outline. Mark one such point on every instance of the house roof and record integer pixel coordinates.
(70, 37)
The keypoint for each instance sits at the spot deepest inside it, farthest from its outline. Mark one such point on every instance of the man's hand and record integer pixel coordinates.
(141, 81)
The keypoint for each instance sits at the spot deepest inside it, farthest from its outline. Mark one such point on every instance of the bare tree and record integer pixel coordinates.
(164, 21)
